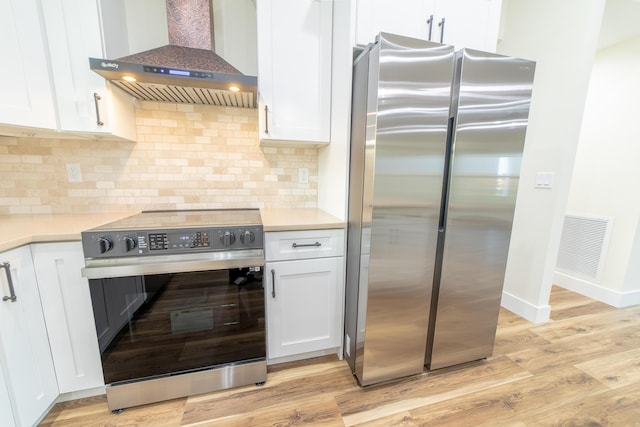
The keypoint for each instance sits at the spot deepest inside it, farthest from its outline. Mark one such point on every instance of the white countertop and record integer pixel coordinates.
(18, 230)
(298, 219)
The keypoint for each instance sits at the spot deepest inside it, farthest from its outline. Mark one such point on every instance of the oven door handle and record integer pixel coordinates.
(160, 264)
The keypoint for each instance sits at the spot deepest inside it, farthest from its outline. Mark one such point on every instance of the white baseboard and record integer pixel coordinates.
(80, 394)
(533, 313)
(337, 351)
(597, 292)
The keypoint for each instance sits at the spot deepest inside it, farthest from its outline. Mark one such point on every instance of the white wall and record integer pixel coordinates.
(235, 32)
(146, 24)
(606, 174)
(133, 26)
(333, 159)
(561, 37)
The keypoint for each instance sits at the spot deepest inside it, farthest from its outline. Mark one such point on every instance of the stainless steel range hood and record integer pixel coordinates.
(182, 72)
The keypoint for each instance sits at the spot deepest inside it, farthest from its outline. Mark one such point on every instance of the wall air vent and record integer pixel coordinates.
(583, 245)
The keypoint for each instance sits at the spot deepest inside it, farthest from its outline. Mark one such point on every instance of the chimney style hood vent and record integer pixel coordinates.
(181, 73)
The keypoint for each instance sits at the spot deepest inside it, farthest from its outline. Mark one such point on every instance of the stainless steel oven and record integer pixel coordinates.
(178, 303)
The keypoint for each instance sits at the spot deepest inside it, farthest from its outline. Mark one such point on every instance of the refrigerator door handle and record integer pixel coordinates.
(444, 201)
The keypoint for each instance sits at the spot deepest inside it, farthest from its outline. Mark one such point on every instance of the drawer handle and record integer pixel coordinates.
(273, 283)
(12, 291)
(306, 245)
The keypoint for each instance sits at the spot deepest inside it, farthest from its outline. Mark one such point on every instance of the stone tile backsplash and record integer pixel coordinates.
(186, 157)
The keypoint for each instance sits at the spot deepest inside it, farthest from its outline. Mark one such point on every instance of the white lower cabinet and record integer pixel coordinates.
(25, 356)
(6, 412)
(304, 295)
(69, 316)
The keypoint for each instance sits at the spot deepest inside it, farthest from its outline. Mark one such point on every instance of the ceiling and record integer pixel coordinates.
(621, 21)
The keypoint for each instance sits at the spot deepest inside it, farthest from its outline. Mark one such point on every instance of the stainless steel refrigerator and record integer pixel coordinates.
(436, 146)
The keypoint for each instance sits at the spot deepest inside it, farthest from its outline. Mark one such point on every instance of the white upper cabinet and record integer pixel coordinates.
(86, 103)
(294, 71)
(24, 75)
(468, 23)
(405, 17)
(462, 23)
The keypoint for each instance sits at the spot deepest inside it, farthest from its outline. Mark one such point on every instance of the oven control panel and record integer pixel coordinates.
(164, 241)
(111, 244)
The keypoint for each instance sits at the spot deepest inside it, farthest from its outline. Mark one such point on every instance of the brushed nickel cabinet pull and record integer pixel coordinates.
(273, 283)
(97, 98)
(430, 22)
(266, 119)
(305, 245)
(12, 291)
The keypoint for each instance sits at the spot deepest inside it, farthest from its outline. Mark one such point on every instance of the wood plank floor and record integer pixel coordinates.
(580, 369)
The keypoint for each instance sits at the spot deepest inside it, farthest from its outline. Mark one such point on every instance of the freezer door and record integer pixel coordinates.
(492, 98)
(402, 162)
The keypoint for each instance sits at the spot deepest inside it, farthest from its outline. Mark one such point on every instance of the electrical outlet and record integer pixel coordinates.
(544, 180)
(74, 174)
(303, 175)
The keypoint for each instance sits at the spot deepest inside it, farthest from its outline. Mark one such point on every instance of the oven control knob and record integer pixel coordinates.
(104, 244)
(227, 239)
(129, 244)
(247, 237)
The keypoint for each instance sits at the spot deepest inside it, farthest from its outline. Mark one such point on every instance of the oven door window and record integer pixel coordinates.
(162, 324)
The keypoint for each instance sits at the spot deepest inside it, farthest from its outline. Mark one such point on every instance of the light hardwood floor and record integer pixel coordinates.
(580, 369)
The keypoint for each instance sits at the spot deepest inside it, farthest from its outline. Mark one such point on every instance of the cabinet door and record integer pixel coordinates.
(294, 70)
(66, 303)
(6, 412)
(24, 75)
(85, 101)
(407, 18)
(303, 306)
(469, 23)
(25, 354)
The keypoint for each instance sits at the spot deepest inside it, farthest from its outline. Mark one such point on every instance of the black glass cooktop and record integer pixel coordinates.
(171, 219)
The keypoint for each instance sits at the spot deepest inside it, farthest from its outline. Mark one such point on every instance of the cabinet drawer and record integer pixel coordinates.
(287, 245)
